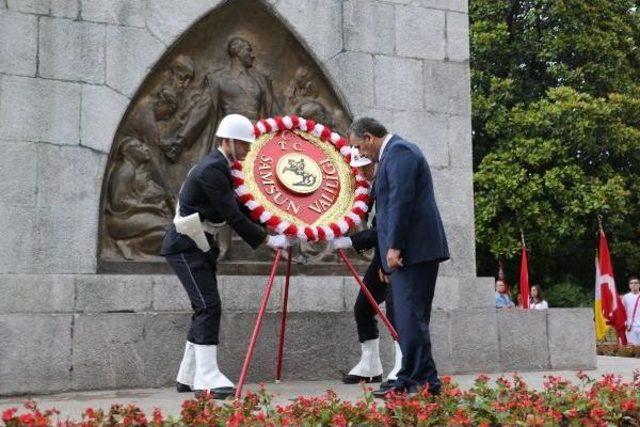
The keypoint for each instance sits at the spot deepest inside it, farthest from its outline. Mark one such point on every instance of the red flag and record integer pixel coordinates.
(501, 276)
(524, 277)
(612, 307)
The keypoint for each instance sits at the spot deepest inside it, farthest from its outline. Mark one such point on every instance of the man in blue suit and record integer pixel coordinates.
(412, 244)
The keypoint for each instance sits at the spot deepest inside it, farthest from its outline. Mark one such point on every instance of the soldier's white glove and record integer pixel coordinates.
(279, 241)
(340, 243)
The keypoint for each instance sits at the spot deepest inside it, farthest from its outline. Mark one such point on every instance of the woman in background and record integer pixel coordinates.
(537, 301)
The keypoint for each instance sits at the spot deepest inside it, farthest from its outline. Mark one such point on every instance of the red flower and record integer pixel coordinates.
(483, 378)
(8, 414)
(572, 413)
(27, 419)
(454, 392)
(629, 405)
(597, 413)
(460, 418)
(157, 416)
(90, 413)
(339, 420)
(235, 420)
(582, 376)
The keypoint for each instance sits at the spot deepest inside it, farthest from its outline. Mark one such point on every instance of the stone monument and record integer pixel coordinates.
(105, 105)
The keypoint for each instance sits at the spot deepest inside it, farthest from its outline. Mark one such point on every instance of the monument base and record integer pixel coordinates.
(83, 332)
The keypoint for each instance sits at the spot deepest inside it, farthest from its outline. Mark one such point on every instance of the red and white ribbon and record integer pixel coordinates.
(311, 233)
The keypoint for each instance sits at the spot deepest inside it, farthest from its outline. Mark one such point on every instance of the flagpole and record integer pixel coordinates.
(600, 228)
(524, 274)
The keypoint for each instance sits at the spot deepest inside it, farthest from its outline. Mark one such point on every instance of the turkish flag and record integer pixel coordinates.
(612, 307)
(524, 278)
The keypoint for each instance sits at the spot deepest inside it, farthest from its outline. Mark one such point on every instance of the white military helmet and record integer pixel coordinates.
(237, 127)
(358, 160)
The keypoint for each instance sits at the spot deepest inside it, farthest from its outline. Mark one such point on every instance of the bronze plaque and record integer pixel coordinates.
(240, 58)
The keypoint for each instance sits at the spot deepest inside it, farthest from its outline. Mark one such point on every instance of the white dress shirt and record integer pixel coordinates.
(629, 302)
(225, 156)
(384, 144)
(542, 305)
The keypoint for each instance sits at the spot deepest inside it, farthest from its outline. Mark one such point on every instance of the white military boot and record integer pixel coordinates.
(187, 371)
(208, 377)
(393, 375)
(369, 368)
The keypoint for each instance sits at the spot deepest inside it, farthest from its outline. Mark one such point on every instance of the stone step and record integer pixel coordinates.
(235, 268)
(242, 260)
(104, 293)
(43, 353)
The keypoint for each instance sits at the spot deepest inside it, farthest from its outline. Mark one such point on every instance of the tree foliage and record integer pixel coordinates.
(556, 121)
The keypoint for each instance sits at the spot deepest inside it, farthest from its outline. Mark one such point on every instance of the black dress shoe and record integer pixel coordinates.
(220, 393)
(183, 388)
(434, 391)
(387, 384)
(382, 393)
(356, 379)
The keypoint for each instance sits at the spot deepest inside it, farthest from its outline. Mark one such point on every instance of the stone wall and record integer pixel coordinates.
(68, 69)
(80, 332)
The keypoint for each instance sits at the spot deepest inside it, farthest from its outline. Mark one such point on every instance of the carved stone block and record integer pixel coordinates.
(420, 32)
(31, 117)
(394, 83)
(19, 46)
(71, 50)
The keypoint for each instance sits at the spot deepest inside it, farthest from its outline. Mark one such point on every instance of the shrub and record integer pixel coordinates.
(618, 350)
(508, 402)
(568, 294)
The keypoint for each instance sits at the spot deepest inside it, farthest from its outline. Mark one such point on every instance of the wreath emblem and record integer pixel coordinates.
(296, 180)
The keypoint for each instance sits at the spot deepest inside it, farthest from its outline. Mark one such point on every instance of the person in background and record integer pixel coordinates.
(537, 301)
(631, 302)
(503, 300)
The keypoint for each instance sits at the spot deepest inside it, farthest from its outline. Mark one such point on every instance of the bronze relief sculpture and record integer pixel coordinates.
(238, 59)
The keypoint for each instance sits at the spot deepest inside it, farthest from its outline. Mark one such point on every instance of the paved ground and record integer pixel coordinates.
(73, 403)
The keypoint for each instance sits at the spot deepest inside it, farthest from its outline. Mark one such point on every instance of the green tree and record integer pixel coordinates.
(556, 121)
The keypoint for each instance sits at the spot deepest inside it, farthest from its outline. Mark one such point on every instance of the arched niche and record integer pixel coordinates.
(170, 122)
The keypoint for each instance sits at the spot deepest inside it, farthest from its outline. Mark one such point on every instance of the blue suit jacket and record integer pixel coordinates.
(407, 217)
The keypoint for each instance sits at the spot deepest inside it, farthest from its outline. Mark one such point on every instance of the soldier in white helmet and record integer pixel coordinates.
(205, 203)
(369, 367)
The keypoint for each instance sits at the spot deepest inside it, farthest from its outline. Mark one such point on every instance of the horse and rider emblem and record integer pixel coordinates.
(299, 173)
(297, 167)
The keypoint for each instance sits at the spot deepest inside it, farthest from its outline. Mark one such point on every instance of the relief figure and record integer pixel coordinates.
(138, 208)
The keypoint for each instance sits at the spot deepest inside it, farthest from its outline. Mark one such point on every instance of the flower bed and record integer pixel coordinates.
(508, 402)
(618, 350)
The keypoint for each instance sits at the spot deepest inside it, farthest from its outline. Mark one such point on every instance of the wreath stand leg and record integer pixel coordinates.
(368, 295)
(283, 317)
(258, 326)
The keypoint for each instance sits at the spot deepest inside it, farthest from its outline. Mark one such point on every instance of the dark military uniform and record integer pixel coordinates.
(208, 190)
(365, 314)
(381, 291)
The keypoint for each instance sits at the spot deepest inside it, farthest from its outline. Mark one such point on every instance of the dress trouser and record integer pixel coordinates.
(365, 314)
(412, 290)
(197, 273)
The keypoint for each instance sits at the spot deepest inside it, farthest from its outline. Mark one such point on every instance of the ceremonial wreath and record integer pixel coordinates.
(297, 180)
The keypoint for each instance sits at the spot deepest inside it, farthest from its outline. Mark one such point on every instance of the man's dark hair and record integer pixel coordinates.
(633, 277)
(367, 125)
